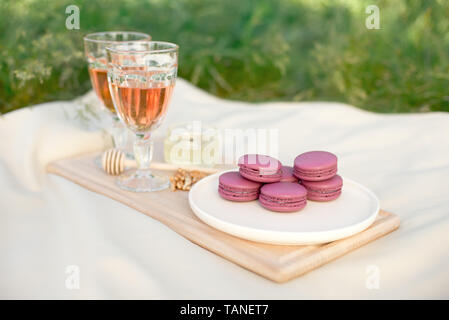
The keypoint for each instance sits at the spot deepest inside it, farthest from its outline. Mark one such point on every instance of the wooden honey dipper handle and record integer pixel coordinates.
(114, 162)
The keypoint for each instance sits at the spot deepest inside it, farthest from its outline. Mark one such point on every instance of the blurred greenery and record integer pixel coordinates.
(252, 50)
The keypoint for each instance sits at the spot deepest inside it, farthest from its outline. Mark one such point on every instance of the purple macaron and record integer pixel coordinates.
(315, 166)
(283, 196)
(325, 190)
(260, 168)
(232, 186)
(287, 175)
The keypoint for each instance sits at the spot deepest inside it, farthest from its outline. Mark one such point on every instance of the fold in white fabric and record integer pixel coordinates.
(58, 240)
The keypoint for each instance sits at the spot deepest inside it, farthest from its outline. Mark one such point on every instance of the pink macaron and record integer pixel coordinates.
(315, 166)
(325, 190)
(260, 168)
(287, 175)
(283, 196)
(232, 186)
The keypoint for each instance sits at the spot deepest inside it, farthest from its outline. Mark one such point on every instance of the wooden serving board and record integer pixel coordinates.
(277, 263)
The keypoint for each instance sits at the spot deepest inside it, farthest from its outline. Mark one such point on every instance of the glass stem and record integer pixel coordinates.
(119, 133)
(143, 151)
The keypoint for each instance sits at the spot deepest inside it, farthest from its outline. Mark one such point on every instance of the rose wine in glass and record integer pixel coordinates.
(95, 51)
(142, 108)
(99, 79)
(141, 79)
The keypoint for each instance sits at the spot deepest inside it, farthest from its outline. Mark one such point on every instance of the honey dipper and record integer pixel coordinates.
(114, 162)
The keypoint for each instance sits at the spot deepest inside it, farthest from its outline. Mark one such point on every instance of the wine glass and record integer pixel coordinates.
(95, 51)
(141, 78)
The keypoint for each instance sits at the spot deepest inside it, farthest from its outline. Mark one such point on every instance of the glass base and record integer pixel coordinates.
(142, 181)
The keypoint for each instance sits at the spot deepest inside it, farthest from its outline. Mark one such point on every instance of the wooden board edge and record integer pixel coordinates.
(336, 249)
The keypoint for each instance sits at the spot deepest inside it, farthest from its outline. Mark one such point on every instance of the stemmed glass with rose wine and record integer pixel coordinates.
(95, 51)
(141, 78)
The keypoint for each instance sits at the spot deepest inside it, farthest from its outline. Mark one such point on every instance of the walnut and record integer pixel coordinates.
(184, 179)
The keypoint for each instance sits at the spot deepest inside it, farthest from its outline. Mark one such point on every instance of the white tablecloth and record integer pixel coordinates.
(48, 223)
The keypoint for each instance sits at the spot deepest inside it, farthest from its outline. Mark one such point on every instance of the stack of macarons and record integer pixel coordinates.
(318, 173)
(278, 187)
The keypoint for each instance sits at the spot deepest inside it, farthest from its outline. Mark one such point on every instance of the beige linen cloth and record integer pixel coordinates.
(49, 224)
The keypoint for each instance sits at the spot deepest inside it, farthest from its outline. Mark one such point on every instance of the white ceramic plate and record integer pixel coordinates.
(319, 222)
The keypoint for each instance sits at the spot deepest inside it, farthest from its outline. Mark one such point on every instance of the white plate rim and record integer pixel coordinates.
(283, 237)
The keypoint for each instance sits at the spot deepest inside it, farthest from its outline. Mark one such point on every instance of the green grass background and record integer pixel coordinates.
(251, 50)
